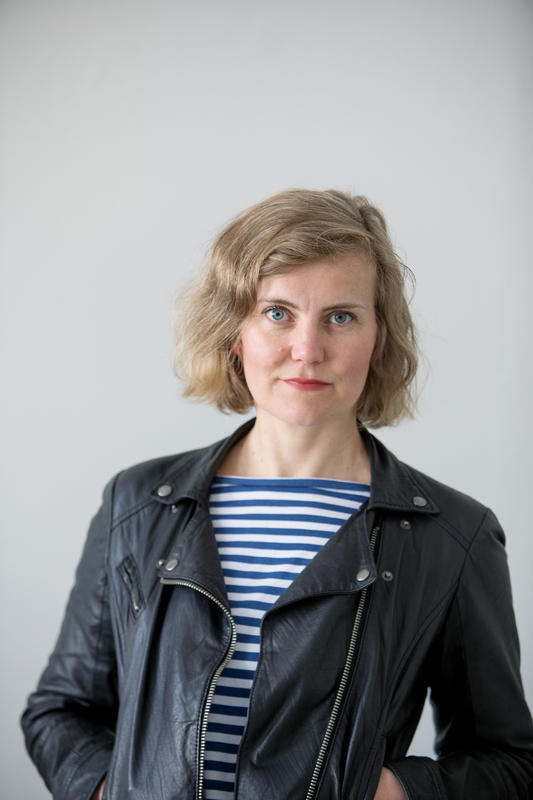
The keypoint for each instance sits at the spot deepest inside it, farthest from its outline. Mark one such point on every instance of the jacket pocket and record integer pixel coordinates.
(130, 575)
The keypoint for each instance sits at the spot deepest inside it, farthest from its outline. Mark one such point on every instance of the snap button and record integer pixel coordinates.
(160, 562)
(164, 490)
(363, 574)
(419, 501)
(171, 564)
(387, 575)
(405, 525)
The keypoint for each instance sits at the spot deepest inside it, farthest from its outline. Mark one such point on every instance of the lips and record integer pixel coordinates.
(306, 384)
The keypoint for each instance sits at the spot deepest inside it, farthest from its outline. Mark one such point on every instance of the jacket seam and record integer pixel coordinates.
(105, 577)
(433, 614)
(468, 549)
(460, 618)
(457, 535)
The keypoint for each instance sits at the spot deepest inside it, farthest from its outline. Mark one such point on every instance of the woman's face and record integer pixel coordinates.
(307, 346)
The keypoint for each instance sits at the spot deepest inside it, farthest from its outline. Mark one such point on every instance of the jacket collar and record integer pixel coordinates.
(394, 485)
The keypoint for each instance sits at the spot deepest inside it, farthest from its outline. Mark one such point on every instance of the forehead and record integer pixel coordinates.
(341, 274)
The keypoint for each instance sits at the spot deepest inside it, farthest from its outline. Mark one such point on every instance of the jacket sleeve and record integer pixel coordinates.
(69, 721)
(484, 742)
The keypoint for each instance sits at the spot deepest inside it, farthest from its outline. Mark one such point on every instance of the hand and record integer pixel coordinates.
(389, 787)
(99, 792)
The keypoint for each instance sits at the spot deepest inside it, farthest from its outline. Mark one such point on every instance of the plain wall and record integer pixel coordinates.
(131, 132)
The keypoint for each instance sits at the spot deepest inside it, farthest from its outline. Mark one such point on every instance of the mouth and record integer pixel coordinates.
(306, 384)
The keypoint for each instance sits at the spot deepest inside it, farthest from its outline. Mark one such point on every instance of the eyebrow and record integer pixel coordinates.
(278, 301)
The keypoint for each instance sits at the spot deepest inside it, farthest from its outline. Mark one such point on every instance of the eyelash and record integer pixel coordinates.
(279, 308)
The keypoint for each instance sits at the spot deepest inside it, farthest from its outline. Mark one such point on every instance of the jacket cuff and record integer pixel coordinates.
(418, 777)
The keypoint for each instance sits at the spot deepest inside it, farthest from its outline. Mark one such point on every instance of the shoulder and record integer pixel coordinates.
(168, 478)
(160, 479)
(461, 515)
(403, 488)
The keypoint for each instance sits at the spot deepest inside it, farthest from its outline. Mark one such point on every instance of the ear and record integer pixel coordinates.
(236, 348)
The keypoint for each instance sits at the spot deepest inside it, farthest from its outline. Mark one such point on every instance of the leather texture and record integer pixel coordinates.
(126, 686)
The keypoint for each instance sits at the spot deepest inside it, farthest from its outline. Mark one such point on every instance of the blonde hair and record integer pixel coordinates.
(291, 228)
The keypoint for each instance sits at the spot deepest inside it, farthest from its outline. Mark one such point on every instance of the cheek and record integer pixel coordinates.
(256, 351)
(357, 360)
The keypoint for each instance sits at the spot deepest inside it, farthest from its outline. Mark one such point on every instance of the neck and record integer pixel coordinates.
(275, 449)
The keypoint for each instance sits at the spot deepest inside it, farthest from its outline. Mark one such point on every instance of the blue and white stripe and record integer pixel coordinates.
(267, 530)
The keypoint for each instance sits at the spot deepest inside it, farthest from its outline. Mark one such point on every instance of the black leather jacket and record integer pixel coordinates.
(412, 592)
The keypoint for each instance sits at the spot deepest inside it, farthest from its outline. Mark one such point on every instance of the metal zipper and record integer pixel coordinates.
(214, 679)
(342, 684)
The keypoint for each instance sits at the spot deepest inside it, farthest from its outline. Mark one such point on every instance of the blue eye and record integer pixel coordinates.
(276, 314)
(341, 317)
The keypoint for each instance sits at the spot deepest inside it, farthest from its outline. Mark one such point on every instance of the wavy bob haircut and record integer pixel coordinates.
(288, 229)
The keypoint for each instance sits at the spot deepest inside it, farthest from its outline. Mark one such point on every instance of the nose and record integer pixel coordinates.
(308, 344)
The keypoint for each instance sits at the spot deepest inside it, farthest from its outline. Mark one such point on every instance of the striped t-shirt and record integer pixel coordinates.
(267, 530)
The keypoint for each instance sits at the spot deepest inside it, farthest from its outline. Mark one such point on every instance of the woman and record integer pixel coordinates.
(262, 618)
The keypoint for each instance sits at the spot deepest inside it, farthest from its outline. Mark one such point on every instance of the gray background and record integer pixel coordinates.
(131, 132)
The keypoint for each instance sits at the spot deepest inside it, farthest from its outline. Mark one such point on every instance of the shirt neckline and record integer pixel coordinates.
(242, 480)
